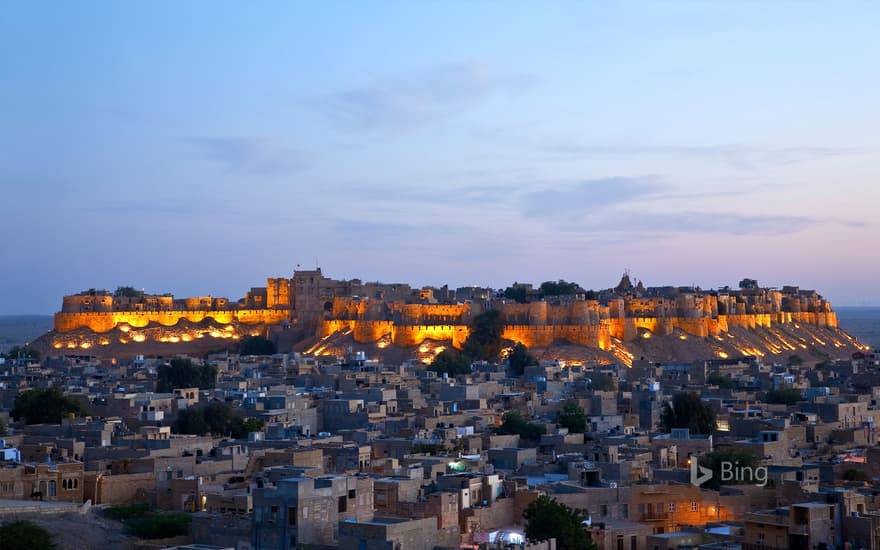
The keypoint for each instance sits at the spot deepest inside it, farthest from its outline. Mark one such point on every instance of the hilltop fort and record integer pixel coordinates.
(312, 308)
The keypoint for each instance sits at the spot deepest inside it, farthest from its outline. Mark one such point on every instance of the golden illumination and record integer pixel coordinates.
(139, 337)
(723, 354)
(57, 345)
(124, 328)
(85, 345)
(646, 335)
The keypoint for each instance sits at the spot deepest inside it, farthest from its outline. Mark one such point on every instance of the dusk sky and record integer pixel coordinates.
(200, 147)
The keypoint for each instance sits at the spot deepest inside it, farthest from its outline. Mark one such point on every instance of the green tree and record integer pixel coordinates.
(241, 427)
(24, 535)
(687, 410)
(127, 292)
(191, 421)
(183, 373)
(786, 396)
(516, 292)
(257, 345)
(484, 341)
(723, 382)
(218, 416)
(519, 359)
(559, 288)
(513, 423)
(600, 381)
(738, 456)
(46, 406)
(452, 362)
(572, 416)
(547, 518)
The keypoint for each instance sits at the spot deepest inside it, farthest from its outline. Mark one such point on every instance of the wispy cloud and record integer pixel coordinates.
(740, 157)
(420, 98)
(254, 155)
(590, 196)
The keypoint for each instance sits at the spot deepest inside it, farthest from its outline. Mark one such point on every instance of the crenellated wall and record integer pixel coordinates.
(106, 321)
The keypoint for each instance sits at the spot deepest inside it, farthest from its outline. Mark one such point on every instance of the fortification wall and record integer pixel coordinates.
(106, 321)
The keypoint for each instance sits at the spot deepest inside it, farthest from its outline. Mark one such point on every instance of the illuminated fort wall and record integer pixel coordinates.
(539, 324)
(106, 321)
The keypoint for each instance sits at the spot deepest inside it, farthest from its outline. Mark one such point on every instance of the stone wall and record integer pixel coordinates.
(106, 321)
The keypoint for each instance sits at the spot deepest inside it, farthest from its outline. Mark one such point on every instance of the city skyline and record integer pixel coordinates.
(198, 148)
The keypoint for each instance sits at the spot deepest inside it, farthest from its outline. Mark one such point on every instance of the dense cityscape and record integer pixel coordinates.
(322, 413)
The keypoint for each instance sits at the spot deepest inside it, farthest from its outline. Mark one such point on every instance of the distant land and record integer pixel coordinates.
(16, 330)
(861, 322)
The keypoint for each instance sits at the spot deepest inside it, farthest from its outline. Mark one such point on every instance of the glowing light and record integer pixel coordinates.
(71, 345)
(439, 349)
(682, 337)
(124, 328)
(186, 338)
(424, 349)
(215, 334)
(723, 354)
(382, 344)
(57, 345)
(104, 342)
(174, 339)
(646, 335)
(123, 341)
(229, 328)
(85, 345)
(139, 337)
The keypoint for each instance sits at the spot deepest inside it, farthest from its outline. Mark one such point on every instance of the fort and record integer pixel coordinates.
(316, 307)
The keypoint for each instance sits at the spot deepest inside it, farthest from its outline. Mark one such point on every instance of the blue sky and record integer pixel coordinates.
(200, 147)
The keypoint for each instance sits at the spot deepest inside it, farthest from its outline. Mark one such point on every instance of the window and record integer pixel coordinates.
(343, 504)
(351, 493)
(671, 507)
(291, 516)
(694, 506)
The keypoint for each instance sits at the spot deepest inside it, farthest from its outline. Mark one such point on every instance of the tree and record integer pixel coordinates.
(572, 416)
(739, 457)
(191, 421)
(723, 382)
(218, 418)
(748, 284)
(4, 429)
(547, 518)
(600, 381)
(24, 535)
(46, 406)
(687, 410)
(513, 423)
(183, 373)
(127, 292)
(241, 427)
(451, 362)
(795, 360)
(484, 341)
(517, 293)
(559, 288)
(519, 359)
(257, 345)
(787, 396)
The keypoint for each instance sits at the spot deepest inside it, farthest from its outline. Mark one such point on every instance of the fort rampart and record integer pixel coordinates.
(105, 321)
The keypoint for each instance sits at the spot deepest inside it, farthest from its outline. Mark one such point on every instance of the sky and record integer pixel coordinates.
(200, 147)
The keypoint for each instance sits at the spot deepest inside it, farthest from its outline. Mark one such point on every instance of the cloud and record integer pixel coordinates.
(590, 196)
(254, 156)
(740, 157)
(421, 98)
